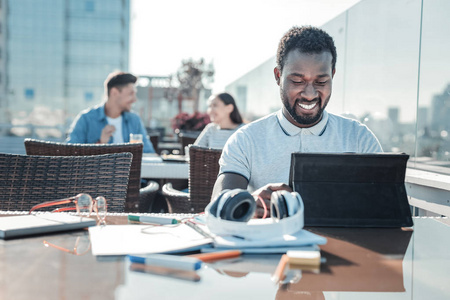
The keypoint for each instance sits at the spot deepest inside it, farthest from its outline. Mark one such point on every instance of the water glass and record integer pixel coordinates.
(135, 138)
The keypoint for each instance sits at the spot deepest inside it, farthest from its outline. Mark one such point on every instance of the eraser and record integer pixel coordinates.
(306, 258)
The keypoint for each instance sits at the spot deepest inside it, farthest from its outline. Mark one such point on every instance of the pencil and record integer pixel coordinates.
(279, 272)
(209, 257)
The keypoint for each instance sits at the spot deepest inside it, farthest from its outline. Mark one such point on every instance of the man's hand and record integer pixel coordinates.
(107, 132)
(265, 193)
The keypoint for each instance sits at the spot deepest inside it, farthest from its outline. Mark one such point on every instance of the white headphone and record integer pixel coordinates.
(232, 211)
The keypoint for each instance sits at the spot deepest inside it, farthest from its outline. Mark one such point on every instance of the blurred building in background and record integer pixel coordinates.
(55, 56)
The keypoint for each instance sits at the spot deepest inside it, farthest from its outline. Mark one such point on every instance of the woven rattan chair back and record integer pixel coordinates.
(38, 147)
(203, 170)
(27, 180)
(154, 139)
(186, 140)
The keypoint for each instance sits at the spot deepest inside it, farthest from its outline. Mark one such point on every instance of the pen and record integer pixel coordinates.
(279, 272)
(208, 257)
(153, 219)
(162, 271)
(168, 261)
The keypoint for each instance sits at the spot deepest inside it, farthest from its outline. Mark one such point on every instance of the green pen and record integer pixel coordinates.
(153, 220)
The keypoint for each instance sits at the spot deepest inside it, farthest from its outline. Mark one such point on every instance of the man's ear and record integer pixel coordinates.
(277, 74)
(334, 71)
(113, 91)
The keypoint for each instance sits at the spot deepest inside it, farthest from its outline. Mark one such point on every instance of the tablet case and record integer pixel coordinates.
(352, 190)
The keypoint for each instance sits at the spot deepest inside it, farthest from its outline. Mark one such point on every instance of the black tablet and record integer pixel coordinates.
(352, 190)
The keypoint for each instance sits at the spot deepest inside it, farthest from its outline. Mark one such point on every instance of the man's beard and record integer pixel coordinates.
(303, 120)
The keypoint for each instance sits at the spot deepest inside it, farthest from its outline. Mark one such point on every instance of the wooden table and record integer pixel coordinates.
(360, 264)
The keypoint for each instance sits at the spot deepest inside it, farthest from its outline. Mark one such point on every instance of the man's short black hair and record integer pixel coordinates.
(306, 39)
(118, 79)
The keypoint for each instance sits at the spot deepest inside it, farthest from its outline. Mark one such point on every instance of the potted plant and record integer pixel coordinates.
(191, 123)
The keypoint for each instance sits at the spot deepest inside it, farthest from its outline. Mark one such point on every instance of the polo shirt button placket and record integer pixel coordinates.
(304, 132)
(300, 141)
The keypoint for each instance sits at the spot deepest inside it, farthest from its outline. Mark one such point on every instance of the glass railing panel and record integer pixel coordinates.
(433, 126)
(381, 70)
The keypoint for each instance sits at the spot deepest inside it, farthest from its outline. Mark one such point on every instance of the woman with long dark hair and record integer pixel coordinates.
(225, 120)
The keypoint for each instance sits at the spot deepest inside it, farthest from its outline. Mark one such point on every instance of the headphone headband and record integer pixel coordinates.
(257, 229)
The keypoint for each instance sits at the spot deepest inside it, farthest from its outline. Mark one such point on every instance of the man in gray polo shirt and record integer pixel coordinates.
(257, 157)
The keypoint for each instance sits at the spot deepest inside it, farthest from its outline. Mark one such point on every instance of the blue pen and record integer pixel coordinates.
(168, 261)
(153, 219)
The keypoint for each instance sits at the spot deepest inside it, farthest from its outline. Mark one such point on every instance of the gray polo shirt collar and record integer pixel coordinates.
(291, 130)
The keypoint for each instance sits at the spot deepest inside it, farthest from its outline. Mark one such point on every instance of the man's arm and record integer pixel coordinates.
(148, 146)
(77, 131)
(228, 181)
(368, 142)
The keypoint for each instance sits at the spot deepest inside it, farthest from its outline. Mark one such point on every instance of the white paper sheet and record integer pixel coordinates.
(130, 239)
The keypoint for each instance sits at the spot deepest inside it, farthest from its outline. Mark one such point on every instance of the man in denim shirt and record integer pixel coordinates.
(111, 121)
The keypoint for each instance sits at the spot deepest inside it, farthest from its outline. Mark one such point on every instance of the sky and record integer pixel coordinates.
(234, 35)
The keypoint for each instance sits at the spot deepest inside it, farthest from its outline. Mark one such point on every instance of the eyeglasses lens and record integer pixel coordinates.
(101, 208)
(84, 203)
(82, 245)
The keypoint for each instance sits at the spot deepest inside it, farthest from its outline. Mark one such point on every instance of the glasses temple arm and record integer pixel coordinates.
(64, 209)
(51, 203)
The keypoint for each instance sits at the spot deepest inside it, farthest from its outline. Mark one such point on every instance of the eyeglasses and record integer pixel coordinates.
(83, 204)
(81, 247)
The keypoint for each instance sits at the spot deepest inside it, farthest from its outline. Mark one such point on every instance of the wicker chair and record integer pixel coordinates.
(203, 170)
(187, 139)
(138, 199)
(154, 139)
(27, 180)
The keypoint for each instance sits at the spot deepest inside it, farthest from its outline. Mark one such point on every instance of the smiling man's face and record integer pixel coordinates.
(305, 86)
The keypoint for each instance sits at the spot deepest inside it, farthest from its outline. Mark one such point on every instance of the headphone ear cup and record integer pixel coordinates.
(216, 201)
(278, 206)
(239, 207)
(292, 202)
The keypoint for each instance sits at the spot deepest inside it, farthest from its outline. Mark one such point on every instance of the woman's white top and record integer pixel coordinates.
(214, 137)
